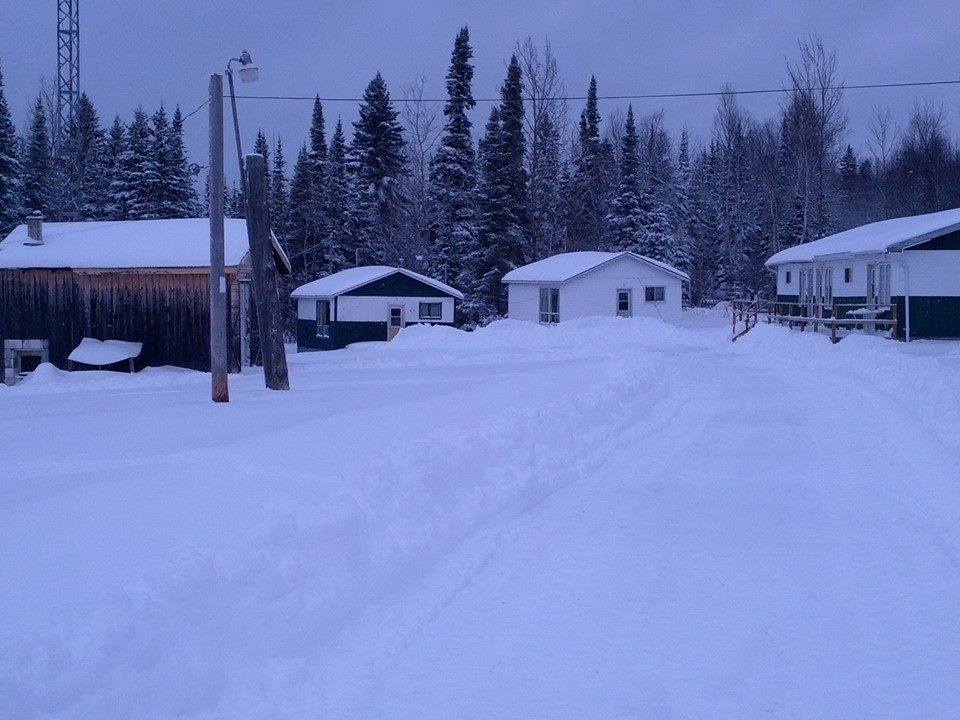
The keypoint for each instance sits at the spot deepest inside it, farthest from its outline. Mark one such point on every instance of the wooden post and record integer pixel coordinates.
(218, 282)
(265, 275)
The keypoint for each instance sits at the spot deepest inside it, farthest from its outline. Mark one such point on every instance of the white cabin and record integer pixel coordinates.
(369, 303)
(587, 284)
(911, 262)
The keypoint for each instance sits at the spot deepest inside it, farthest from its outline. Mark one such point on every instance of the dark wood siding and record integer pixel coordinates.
(168, 312)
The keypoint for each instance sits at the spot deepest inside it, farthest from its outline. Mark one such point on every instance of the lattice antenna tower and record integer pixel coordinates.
(68, 65)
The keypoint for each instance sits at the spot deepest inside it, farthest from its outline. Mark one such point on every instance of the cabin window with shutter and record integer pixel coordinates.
(431, 311)
(847, 274)
(787, 278)
(654, 293)
(549, 305)
(323, 318)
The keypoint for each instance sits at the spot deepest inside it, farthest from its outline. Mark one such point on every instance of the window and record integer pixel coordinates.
(549, 305)
(787, 278)
(654, 293)
(847, 274)
(323, 318)
(624, 303)
(431, 311)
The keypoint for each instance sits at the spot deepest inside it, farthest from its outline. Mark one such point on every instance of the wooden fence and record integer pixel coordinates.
(852, 316)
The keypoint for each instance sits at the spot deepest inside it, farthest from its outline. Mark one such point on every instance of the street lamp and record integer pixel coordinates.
(249, 72)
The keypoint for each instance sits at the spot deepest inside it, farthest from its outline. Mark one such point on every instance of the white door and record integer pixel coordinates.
(807, 297)
(395, 322)
(878, 284)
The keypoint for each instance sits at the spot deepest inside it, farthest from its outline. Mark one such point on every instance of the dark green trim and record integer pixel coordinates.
(398, 284)
(932, 317)
(950, 241)
(341, 334)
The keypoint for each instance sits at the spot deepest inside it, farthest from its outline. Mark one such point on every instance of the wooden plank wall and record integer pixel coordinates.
(167, 311)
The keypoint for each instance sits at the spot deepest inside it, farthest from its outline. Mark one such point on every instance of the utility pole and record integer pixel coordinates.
(218, 281)
(265, 275)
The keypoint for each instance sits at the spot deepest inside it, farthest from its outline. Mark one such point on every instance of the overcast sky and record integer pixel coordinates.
(144, 52)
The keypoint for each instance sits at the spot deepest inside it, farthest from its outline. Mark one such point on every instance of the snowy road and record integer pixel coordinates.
(606, 520)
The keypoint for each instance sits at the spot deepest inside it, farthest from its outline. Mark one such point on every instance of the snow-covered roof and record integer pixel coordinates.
(878, 237)
(566, 266)
(127, 244)
(351, 278)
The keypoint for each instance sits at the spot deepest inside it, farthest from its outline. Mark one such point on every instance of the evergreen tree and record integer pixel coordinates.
(183, 202)
(849, 173)
(453, 172)
(317, 223)
(546, 191)
(38, 173)
(136, 184)
(625, 218)
(278, 192)
(116, 143)
(590, 188)
(377, 163)
(11, 184)
(262, 148)
(502, 200)
(682, 220)
(160, 168)
(84, 160)
(340, 248)
(298, 217)
(236, 203)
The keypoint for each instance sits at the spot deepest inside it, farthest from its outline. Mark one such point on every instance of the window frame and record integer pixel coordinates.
(428, 317)
(848, 275)
(654, 288)
(787, 277)
(549, 310)
(323, 328)
(629, 311)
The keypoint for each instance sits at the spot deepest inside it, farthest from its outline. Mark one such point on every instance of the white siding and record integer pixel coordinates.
(307, 309)
(523, 301)
(362, 308)
(595, 293)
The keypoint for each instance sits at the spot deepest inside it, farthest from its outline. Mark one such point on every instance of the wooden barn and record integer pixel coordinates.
(144, 281)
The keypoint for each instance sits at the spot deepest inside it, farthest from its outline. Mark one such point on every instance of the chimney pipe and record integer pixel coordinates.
(35, 228)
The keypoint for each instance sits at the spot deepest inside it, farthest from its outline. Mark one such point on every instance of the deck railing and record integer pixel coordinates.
(833, 317)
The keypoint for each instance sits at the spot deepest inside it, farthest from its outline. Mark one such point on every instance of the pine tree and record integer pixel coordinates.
(502, 200)
(84, 163)
(681, 210)
(377, 163)
(262, 147)
(849, 168)
(135, 186)
(625, 217)
(160, 168)
(116, 143)
(183, 199)
(298, 218)
(546, 191)
(278, 192)
(590, 186)
(453, 172)
(11, 184)
(236, 204)
(317, 222)
(340, 248)
(38, 174)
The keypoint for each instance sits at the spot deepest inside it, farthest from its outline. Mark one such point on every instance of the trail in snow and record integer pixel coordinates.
(605, 519)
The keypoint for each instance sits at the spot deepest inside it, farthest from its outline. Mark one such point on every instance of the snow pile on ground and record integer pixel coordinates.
(607, 518)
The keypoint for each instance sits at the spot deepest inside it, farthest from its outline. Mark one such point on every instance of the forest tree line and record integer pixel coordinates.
(417, 185)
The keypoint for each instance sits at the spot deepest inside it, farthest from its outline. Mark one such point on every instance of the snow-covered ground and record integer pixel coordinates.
(605, 519)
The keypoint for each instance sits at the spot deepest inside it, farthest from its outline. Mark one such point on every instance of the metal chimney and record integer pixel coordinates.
(35, 228)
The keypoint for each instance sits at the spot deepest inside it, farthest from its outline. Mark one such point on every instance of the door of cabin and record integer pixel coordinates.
(395, 322)
(807, 297)
(878, 284)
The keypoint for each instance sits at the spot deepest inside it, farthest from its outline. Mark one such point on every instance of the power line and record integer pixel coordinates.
(640, 96)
